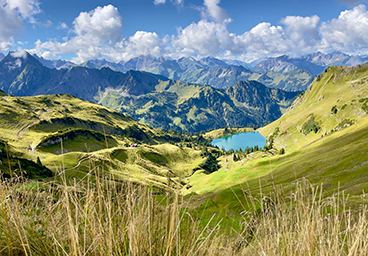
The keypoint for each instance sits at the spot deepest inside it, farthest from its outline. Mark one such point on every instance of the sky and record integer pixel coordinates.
(118, 30)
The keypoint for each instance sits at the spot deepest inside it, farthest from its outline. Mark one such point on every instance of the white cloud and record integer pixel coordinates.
(262, 40)
(298, 36)
(348, 32)
(303, 31)
(202, 38)
(94, 31)
(5, 45)
(157, 2)
(12, 13)
(141, 43)
(214, 11)
(177, 2)
(98, 34)
(26, 8)
(103, 23)
(63, 26)
(19, 54)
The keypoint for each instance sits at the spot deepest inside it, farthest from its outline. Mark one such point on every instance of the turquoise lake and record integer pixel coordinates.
(241, 140)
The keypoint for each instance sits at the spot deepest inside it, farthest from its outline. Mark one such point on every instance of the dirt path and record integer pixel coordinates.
(75, 167)
(25, 128)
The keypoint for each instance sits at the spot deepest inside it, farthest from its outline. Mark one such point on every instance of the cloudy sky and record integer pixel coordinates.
(118, 30)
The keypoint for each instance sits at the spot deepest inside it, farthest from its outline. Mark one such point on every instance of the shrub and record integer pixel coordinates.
(310, 125)
(334, 110)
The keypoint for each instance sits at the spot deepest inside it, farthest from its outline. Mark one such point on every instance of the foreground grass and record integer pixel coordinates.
(105, 217)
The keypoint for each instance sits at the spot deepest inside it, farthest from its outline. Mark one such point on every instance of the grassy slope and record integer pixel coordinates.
(33, 126)
(194, 108)
(338, 158)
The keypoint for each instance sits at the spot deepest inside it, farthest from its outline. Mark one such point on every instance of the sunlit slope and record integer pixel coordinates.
(338, 98)
(325, 135)
(74, 137)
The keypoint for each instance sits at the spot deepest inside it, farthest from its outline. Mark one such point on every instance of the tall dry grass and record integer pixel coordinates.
(104, 217)
(305, 223)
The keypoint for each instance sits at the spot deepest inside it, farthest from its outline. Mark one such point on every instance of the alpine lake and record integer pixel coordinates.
(240, 141)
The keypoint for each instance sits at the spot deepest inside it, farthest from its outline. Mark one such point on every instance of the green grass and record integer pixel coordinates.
(93, 135)
(335, 156)
(265, 203)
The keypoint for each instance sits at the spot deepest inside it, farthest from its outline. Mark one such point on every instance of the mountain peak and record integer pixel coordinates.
(2, 93)
(18, 60)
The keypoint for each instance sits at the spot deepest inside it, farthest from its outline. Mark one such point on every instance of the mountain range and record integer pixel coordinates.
(293, 74)
(149, 98)
(315, 63)
(209, 71)
(194, 108)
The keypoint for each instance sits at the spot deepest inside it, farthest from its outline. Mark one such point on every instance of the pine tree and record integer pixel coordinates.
(38, 161)
(282, 151)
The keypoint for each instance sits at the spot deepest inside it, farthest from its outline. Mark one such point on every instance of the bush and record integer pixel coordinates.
(334, 110)
(310, 125)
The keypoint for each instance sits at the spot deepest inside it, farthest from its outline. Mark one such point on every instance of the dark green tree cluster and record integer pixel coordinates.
(334, 110)
(282, 151)
(310, 125)
(211, 164)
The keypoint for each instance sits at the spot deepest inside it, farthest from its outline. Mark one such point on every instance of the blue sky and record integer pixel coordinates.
(118, 30)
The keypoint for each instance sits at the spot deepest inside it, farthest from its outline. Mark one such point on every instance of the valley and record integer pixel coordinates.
(317, 142)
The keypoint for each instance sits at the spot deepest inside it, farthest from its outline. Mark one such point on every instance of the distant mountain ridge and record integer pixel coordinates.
(149, 98)
(193, 108)
(316, 63)
(206, 71)
(225, 73)
(26, 76)
(58, 64)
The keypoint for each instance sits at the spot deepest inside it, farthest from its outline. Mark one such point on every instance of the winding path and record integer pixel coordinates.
(75, 167)
(25, 128)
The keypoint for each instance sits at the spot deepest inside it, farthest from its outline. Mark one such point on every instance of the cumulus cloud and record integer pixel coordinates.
(202, 38)
(98, 34)
(26, 8)
(12, 14)
(93, 31)
(5, 45)
(141, 43)
(348, 32)
(298, 36)
(103, 23)
(214, 11)
(302, 30)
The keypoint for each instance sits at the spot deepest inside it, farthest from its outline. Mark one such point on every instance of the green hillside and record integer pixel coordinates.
(151, 99)
(68, 135)
(309, 182)
(194, 108)
(295, 80)
(324, 135)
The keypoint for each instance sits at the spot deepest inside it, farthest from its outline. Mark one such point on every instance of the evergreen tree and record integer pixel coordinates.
(38, 161)
(282, 151)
